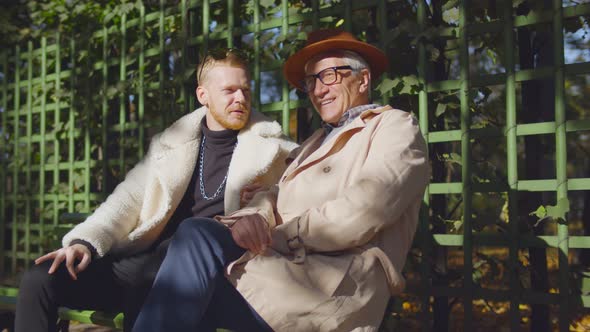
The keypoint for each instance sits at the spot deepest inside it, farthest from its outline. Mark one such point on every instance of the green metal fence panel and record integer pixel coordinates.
(511, 163)
(77, 113)
(561, 161)
(466, 161)
(16, 158)
(4, 190)
(423, 226)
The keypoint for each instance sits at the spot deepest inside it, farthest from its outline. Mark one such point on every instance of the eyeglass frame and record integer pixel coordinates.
(318, 77)
(221, 53)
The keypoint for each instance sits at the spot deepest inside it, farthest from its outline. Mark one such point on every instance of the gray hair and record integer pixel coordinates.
(353, 59)
(357, 62)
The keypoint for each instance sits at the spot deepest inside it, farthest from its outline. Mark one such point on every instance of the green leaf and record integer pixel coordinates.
(79, 207)
(457, 224)
(51, 159)
(327, 19)
(47, 212)
(267, 3)
(451, 15)
(453, 3)
(455, 158)
(541, 212)
(516, 3)
(411, 84)
(558, 211)
(387, 85)
(188, 73)
(79, 9)
(79, 181)
(112, 91)
(440, 109)
(109, 16)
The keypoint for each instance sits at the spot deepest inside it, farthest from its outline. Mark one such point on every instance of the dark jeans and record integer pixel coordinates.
(109, 284)
(190, 292)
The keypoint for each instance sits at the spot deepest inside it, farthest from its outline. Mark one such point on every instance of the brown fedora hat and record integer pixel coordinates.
(332, 39)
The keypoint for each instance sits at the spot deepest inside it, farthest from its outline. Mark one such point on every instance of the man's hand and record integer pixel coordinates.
(251, 233)
(248, 192)
(71, 254)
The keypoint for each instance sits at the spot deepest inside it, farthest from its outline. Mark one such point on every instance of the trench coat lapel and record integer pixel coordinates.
(314, 152)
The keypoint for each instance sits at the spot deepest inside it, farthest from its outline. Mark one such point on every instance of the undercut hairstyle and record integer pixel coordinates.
(228, 57)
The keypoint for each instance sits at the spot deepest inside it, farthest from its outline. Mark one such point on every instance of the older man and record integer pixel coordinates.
(205, 164)
(342, 218)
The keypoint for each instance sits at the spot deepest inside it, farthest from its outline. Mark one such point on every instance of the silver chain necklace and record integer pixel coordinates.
(201, 183)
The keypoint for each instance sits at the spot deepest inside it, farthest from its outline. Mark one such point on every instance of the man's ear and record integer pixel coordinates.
(365, 76)
(202, 95)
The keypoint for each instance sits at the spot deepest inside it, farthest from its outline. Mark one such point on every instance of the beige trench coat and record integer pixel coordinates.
(346, 213)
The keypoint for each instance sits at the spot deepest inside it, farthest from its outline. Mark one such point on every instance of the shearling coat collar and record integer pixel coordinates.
(256, 147)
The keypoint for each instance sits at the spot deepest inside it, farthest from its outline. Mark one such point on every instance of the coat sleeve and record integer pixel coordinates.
(282, 160)
(392, 178)
(264, 203)
(115, 218)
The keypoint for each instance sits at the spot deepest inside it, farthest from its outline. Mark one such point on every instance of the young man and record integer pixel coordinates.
(342, 218)
(207, 163)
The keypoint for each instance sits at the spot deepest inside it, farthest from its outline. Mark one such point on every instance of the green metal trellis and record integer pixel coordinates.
(63, 152)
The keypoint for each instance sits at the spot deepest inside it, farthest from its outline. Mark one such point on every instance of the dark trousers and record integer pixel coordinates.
(111, 284)
(190, 292)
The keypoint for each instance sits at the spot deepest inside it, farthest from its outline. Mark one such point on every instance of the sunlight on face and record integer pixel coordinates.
(331, 101)
(226, 92)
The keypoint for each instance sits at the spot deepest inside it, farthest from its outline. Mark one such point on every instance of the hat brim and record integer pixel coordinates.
(294, 70)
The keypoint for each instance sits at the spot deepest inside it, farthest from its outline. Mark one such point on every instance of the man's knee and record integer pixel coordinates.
(197, 229)
(204, 236)
(37, 277)
(36, 283)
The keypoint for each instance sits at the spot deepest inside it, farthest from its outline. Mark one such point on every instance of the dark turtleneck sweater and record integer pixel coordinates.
(218, 150)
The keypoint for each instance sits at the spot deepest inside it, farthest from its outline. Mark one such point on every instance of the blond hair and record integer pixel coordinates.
(228, 57)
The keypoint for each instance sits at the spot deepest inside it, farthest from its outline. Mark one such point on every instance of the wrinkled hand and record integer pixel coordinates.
(251, 233)
(71, 254)
(248, 192)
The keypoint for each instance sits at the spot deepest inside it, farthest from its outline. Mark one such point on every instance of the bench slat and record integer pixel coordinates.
(8, 297)
(107, 319)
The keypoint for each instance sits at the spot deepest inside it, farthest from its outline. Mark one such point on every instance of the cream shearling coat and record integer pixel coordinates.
(346, 213)
(135, 214)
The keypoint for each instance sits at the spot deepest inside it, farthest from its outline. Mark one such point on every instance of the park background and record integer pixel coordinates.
(498, 87)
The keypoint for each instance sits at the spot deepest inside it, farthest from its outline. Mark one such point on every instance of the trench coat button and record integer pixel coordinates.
(327, 169)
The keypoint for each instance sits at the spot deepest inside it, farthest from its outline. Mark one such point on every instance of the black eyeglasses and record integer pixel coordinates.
(327, 76)
(220, 54)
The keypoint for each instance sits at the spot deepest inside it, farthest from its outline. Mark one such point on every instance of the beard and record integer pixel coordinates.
(229, 120)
